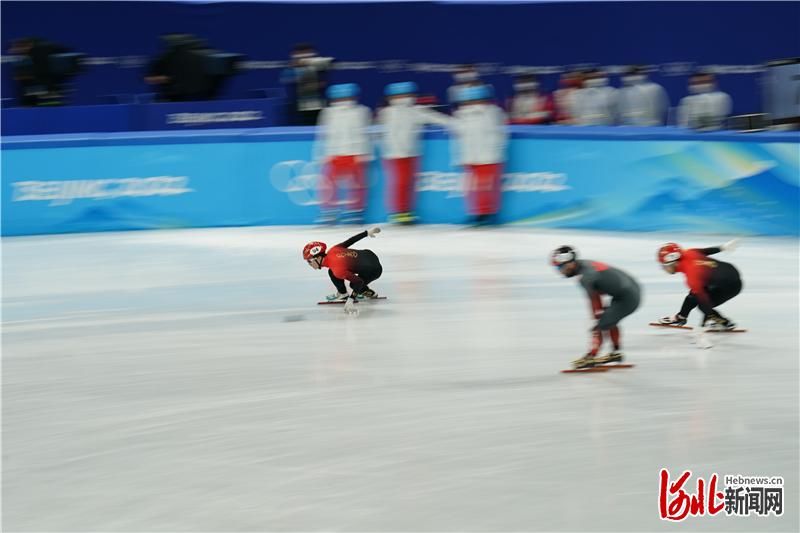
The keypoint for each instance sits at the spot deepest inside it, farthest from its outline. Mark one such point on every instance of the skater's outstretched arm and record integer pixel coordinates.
(710, 251)
(355, 238)
(727, 247)
(352, 240)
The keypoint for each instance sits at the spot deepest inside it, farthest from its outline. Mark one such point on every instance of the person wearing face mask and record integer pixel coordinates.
(596, 103)
(342, 145)
(706, 108)
(641, 101)
(465, 76)
(401, 124)
(481, 133)
(529, 105)
(305, 80)
(564, 97)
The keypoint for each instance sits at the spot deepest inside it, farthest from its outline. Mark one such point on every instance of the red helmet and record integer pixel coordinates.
(314, 249)
(669, 253)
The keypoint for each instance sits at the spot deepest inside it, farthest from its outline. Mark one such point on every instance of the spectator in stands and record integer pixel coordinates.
(481, 134)
(529, 105)
(179, 72)
(564, 98)
(641, 101)
(36, 79)
(706, 108)
(596, 103)
(306, 80)
(464, 76)
(343, 147)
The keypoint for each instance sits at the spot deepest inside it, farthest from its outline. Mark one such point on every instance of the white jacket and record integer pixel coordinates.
(704, 111)
(596, 106)
(342, 130)
(643, 104)
(401, 128)
(481, 133)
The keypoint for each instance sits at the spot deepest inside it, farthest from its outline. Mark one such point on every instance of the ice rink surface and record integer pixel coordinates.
(186, 381)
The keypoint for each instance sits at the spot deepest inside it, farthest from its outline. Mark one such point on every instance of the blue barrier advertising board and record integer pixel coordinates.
(619, 181)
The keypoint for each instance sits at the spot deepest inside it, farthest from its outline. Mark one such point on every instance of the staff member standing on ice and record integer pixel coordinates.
(343, 146)
(401, 124)
(480, 129)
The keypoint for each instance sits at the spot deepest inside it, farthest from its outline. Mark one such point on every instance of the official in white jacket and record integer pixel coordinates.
(401, 124)
(707, 108)
(482, 135)
(641, 101)
(343, 146)
(596, 103)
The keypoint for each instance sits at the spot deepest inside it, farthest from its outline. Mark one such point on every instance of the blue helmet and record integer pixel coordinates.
(343, 90)
(403, 87)
(478, 92)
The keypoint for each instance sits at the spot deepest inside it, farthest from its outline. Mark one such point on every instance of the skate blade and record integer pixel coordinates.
(339, 302)
(656, 324)
(584, 370)
(617, 365)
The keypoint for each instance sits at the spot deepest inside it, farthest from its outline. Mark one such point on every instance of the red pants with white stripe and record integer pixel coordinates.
(402, 172)
(345, 171)
(483, 188)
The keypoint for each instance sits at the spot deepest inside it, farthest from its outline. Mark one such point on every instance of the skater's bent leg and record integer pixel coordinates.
(339, 283)
(597, 341)
(619, 309)
(615, 337)
(689, 303)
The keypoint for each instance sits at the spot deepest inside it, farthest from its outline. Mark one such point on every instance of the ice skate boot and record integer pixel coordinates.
(719, 323)
(336, 297)
(587, 361)
(611, 357)
(405, 219)
(674, 320)
(367, 294)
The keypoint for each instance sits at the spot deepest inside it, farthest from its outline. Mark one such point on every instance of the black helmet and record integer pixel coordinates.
(562, 255)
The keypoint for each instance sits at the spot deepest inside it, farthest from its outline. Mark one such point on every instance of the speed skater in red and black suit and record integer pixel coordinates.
(711, 282)
(359, 267)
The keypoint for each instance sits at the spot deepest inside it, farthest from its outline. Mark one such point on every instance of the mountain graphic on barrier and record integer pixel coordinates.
(556, 213)
(760, 203)
(120, 216)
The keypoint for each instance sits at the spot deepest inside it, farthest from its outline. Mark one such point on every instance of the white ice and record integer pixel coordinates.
(187, 381)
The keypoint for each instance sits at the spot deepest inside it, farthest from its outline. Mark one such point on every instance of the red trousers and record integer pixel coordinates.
(483, 188)
(346, 171)
(402, 172)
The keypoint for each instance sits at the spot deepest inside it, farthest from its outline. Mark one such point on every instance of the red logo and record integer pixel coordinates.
(675, 504)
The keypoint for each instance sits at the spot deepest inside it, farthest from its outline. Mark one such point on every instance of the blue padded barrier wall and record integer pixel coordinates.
(635, 179)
